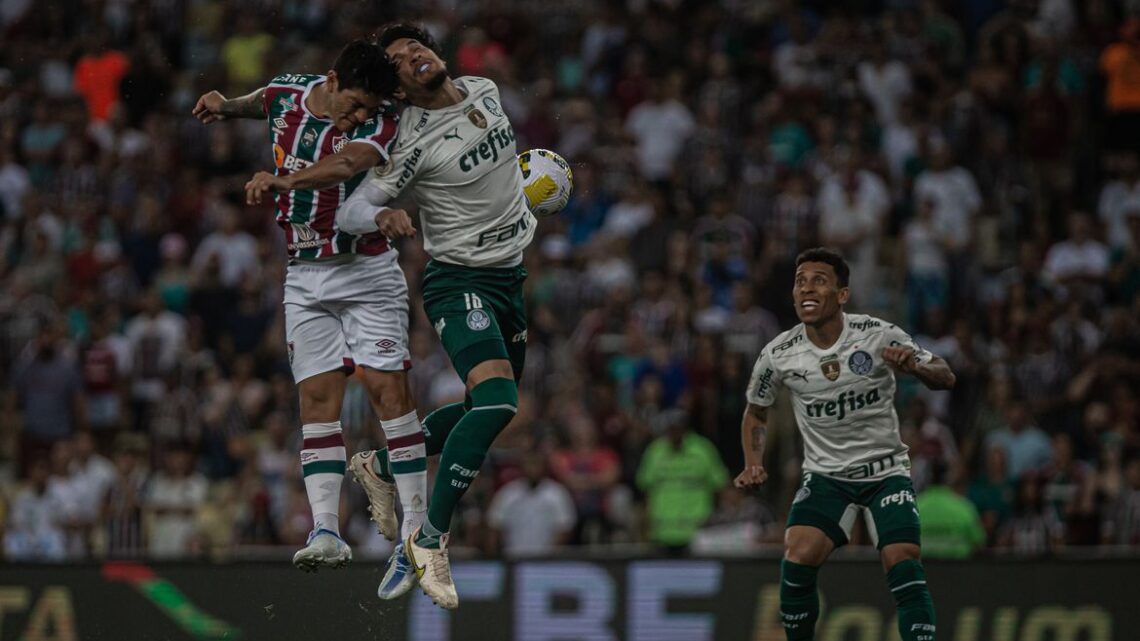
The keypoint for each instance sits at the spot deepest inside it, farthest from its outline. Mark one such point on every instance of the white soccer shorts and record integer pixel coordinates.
(345, 313)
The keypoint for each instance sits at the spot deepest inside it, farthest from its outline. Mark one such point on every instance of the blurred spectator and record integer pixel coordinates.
(1034, 527)
(885, 82)
(660, 126)
(927, 265)
(992, 493)
(956, 201)
(1120, 200)
(106, 361)
(590, 471)
(1121, 66)
(15, 183)
(1122, 518)
(1124, 276)
(951, 526)
(681, 474)
(156, 337)
(1026, 447)
(230, 250)
(171, 505)
(98, 74)
(34, 531)
(1079, 264)
(122, 508)
(853, 206)
(246, 55)
(48, 391)
(531, 515)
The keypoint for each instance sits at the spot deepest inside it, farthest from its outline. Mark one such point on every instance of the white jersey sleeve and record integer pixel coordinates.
(763, 384)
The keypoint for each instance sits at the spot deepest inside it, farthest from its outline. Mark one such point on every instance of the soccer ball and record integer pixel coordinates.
(547, 181)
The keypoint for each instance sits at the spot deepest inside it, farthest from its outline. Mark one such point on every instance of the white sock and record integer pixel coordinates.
(407, 459)
(322, 464)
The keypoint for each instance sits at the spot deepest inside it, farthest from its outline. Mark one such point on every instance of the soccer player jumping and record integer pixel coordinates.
(456, 157)
(840, 369)
(346, 298)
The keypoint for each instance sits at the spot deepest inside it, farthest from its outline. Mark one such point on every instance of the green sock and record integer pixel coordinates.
(437, 426)
(799, 600)
(493, 405)
(907, 581)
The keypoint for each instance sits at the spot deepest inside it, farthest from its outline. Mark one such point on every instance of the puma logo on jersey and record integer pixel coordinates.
(453, 134)
(800, 375)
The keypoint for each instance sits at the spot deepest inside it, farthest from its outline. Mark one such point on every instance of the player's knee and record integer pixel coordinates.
(389, 392)
(487, 370)
(321, 398)
(896, 553)
(497, 400)
(806, 546)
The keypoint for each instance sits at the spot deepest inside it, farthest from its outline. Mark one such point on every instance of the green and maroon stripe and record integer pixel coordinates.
(323, 455)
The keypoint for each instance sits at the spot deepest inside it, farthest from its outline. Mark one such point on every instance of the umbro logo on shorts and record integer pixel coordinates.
(386, 345)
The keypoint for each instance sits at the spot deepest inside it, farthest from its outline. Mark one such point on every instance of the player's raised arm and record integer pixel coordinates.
(753, 436)
(213, 106)
(904, 355)
(934, 373)
(365, 212)
(329, 171)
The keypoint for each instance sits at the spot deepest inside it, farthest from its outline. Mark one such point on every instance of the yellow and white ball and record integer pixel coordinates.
(547, 181)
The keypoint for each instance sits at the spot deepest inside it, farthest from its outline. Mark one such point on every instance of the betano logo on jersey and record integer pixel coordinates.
(288, 161)
(847, 403)
(497, 140)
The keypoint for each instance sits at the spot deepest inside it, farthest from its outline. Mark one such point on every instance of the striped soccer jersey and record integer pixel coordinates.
(300, 138)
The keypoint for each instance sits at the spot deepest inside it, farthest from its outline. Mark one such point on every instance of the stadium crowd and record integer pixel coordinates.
(976, 162)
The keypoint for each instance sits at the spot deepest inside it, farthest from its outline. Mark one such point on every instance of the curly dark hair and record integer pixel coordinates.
(393, 31)
(364, 65)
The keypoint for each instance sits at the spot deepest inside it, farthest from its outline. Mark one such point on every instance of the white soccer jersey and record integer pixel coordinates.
(460, 165)
(843, 396)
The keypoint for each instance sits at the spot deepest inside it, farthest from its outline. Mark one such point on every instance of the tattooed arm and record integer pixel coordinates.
(753, 436)
(214, 106)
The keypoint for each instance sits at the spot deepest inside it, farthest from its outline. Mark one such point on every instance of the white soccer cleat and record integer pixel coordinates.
(399, 577)
(322, 549)
(433, 571)
(381, 494)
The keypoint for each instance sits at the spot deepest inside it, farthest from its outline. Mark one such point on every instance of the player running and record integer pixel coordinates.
(456, 155)
(840, 369)
(346, 299)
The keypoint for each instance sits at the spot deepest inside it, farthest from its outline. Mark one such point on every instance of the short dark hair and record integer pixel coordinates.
(393, 31)
(364, 65)
(830, 257)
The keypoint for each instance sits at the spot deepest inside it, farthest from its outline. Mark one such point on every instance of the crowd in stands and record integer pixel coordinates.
(976, 161)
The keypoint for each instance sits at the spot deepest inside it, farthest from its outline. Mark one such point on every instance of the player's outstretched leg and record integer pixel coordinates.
(494, 403)
(374, 472)
(907, 581)
(322, 465)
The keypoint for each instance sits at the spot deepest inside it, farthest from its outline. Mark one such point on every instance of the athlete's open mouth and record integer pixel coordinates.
(809, 305)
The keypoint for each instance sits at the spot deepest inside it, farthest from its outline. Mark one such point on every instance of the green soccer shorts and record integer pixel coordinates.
(478, 312)
(831, 504)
